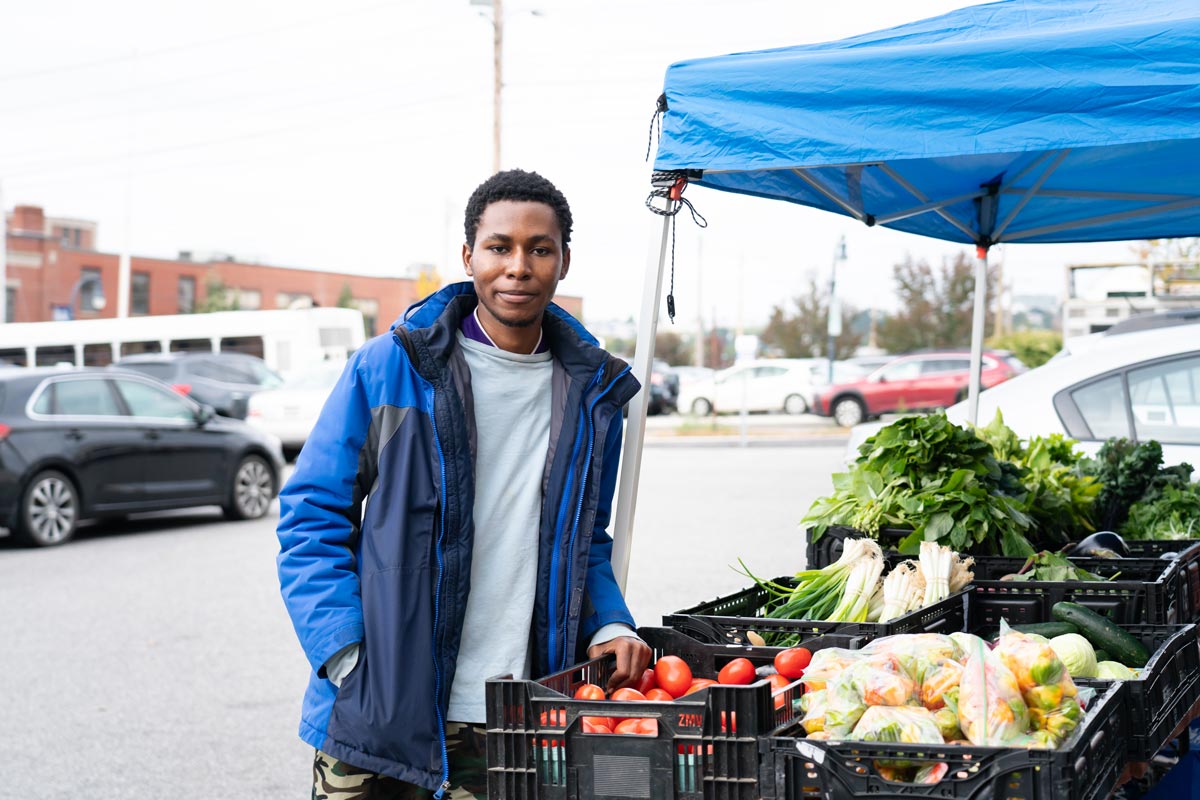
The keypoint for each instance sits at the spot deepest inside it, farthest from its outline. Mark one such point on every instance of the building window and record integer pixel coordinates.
(140, 294)
(136, 348)
(293, 300)
(249, 299)
(186, 294)
(97, 355)
(10, 304)
(90, 291)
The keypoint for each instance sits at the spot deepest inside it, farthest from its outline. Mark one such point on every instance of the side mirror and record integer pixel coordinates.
(881, 379)
(205, 414)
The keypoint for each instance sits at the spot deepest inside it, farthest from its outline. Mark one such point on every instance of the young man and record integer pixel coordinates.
(446, 521)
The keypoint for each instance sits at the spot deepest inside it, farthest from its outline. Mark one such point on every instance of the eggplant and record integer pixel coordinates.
(1101, 544)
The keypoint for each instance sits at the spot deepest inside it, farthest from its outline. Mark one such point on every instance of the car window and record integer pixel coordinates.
(225, 370)
(769, 372)
(267, 378)
(1102, 405)
(145, 400)
(161, 371)
(1165, 399)
(89, 397)
(902, 371)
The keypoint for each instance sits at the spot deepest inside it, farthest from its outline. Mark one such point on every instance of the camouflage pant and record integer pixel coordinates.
(466, 749)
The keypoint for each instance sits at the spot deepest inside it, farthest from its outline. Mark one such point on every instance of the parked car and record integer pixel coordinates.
(1141, 385)
(224, 381)
(772, 384)
(917, 382)
(291, 411)
(79, 444)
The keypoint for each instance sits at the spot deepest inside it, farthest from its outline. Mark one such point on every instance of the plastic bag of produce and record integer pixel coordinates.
(881, 680)
(844, 707)
(938, 680)
(907, 725)
(813, 706)
(917, 652)
(991, 711)
(947, 721)
(1046, 685)
(827, 664)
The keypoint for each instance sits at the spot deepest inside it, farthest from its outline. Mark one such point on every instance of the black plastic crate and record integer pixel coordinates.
(1086, 767)
(729, 618)
(707, 742)
(1162, 697)
(1188, 553)
(1143, 590)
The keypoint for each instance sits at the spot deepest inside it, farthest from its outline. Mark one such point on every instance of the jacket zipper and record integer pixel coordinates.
(579, 508)
(437, 598)
(559, 523)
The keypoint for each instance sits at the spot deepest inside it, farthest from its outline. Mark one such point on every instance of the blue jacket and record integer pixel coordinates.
(376, 531)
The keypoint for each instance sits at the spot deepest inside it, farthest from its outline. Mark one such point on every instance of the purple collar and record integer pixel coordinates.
(473, 330)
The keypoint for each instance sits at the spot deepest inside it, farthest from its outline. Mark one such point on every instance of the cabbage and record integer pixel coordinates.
(1114, 671)
(1076, 653)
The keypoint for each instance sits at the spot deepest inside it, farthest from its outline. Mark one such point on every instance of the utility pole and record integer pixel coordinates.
(699, 355)
(834, 326)
(497, 78)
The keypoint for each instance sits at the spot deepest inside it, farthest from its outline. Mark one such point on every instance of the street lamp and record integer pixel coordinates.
(97, 301)
(834, 325)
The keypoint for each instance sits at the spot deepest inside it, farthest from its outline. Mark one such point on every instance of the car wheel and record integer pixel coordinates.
(252, 490)
(701, 407)
(848, 412)
(49, 510)
(795, 404)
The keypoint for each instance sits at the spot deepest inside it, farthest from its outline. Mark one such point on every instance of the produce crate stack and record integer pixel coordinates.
(732, 617)
(1085, 767)
(706, 746)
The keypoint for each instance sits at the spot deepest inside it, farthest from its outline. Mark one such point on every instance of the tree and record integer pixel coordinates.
(217, 297)
(1170, 260)
(936, 307)
(798, 328)
(673, 348)
(346, 297)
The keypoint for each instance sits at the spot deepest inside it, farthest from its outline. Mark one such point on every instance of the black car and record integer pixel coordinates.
(224, 381)
(79, 444)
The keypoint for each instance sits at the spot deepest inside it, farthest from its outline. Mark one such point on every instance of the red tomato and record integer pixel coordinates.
(792, 662)
(779, 682)
(589, 691)
(673, 674)
(593, 725)
(659, 694)
(738, 672)
(698, 684)
(729, 724)
(606, 722)
(647, 682)
(556, 718)
(628, 695)
(638, 727)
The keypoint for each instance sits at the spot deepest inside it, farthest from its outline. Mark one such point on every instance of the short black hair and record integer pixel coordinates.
(522, 186)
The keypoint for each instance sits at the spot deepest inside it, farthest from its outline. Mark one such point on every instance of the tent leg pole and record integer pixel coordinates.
(635, 426)
(977, 327)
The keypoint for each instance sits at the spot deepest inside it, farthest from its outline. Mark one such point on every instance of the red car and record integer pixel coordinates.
(912, 383)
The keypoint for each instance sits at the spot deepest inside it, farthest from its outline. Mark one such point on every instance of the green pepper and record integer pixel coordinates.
(1046, 670)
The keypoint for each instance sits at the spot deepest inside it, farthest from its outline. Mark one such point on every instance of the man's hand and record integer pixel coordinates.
(633, 656)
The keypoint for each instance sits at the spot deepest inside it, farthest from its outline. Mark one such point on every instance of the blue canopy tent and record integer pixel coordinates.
(1017, 121)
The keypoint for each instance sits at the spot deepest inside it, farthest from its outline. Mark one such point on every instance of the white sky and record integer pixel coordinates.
(348, 136)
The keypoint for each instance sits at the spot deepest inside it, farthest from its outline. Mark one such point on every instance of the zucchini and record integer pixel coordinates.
(1102, 655)
(1047, 629)
(1103, 633)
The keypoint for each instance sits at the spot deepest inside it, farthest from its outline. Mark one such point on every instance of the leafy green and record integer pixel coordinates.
(941, 480)
(1045, 566)
(1169, 512)
(1130, 474)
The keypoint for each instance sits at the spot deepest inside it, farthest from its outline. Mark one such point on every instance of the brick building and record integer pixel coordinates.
(51, 258)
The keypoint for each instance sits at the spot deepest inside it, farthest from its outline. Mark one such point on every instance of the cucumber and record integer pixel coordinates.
(1103, 633)
(1047, 629)
(1102, 655)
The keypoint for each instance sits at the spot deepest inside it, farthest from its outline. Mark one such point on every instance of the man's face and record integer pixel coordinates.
(517, 261)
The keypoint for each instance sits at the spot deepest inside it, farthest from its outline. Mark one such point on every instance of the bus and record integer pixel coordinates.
(286, 339)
